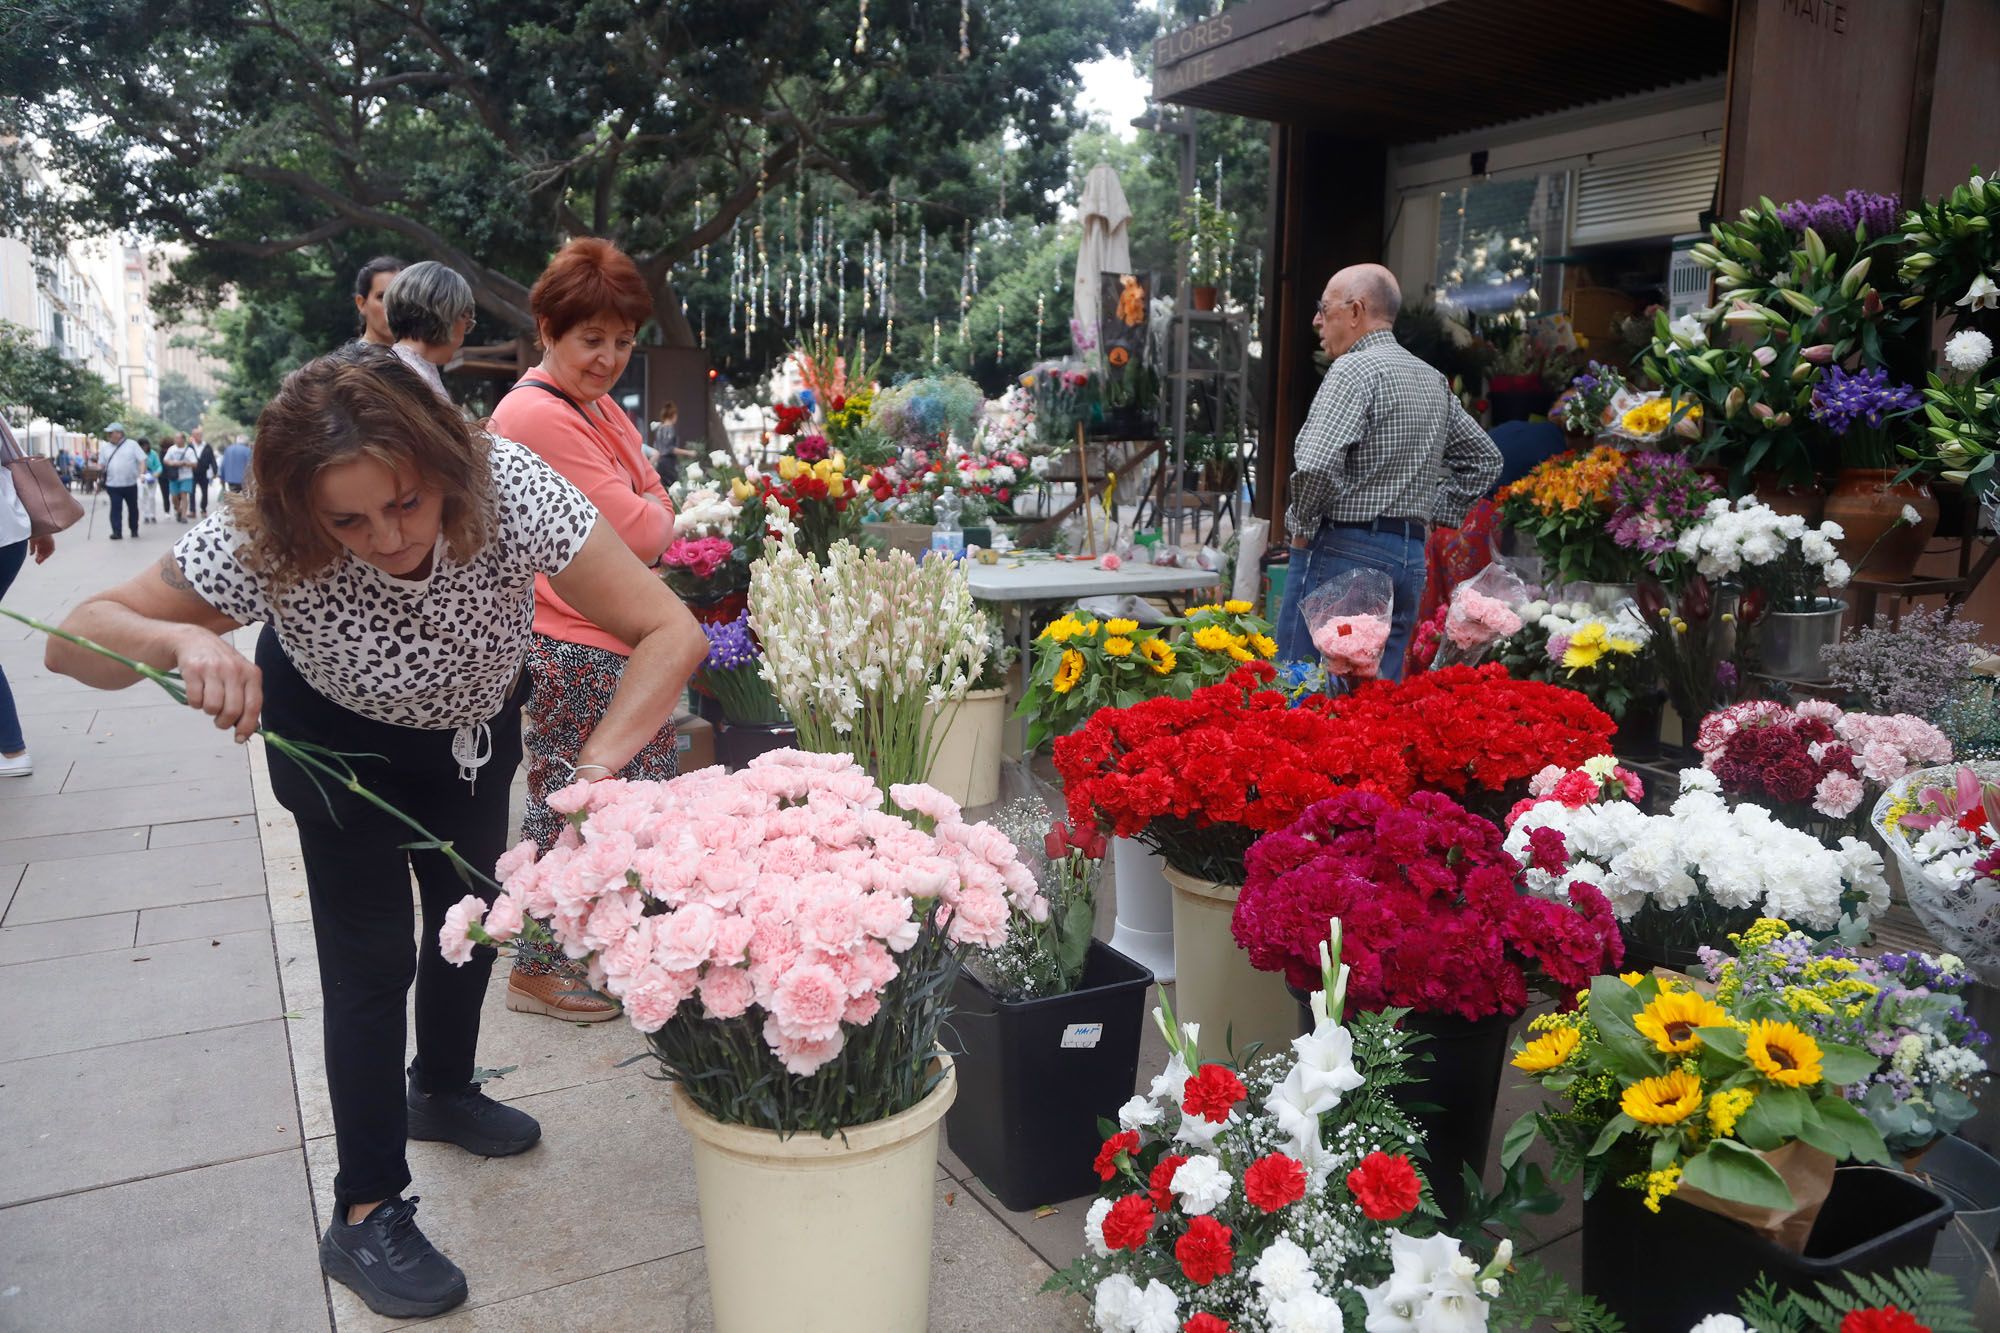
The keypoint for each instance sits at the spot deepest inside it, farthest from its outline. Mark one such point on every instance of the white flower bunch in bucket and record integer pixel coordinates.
(866, 651)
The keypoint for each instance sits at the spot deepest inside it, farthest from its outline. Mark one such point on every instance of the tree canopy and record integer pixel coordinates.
(49, 385)
(285, 141)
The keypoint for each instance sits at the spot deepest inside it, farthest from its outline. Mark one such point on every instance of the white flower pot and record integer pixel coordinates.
(967, 767)
(1144, 928)
(830, 1235)
(1214, 984)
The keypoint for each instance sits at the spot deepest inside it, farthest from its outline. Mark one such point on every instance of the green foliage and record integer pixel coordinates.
(50, 385)
(1953, 241)
(1932, 1299)
(1209, 232)
(285, 143)
(1533, 1297)
(181, 403)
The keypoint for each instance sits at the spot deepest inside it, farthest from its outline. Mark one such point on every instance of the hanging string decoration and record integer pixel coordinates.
(1000, 336)
(1040, 300)
(861, 30)
(964, 31)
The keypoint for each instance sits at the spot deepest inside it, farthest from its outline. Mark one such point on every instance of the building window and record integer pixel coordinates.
(1492, 239)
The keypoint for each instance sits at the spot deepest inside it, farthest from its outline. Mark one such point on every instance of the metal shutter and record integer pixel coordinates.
(1637, 201)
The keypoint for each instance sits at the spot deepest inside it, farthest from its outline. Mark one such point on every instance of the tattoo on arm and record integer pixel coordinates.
(170, 574)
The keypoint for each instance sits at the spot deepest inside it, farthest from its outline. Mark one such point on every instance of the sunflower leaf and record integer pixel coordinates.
(1616, 1126)
(1520, 1135)
(1773, 1118)
(1728, 1170)
(1863, 1142)
(1841, 1065)
(1723, 1040)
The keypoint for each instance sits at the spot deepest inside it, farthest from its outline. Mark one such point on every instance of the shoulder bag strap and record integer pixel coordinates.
(546, 387)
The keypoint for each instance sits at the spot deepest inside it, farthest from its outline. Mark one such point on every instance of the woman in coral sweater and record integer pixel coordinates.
(588, 306)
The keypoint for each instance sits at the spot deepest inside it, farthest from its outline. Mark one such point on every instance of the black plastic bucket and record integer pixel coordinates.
(737, 743)
(1460, 1064)
(1672, 1270)
(1035, 1076)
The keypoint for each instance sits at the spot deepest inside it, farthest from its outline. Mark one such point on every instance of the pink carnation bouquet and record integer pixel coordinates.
(1352, 645)
(1483, 611)
(783, 940)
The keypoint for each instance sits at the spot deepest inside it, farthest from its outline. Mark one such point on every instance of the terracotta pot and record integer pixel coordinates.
(1868, 504)
(1808, 502)
(1204, 298)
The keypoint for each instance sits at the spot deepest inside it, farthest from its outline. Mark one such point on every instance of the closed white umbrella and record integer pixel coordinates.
(1106, 248)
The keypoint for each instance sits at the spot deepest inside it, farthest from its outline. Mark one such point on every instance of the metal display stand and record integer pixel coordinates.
(1231, 377)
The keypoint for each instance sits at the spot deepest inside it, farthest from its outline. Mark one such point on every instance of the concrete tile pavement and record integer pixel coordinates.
(163, 1117)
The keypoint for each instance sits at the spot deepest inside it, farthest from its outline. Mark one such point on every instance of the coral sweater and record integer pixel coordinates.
(602, 458)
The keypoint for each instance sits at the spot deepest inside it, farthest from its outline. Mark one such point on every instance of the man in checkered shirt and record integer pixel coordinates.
(1386, 452)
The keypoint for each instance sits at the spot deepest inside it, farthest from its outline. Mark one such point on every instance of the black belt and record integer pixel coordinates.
(1409, 528)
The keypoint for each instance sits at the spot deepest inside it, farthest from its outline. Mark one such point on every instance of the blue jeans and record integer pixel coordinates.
(10, 721)
(1335, 550)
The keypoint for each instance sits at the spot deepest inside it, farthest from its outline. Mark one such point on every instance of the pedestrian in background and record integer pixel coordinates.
(236, 465)
(153, 491)
(204, 469)
(371, 283)
(124, 463)
(179, 462)
(430, 311)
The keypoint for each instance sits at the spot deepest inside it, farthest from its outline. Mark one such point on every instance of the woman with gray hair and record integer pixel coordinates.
(430, 310)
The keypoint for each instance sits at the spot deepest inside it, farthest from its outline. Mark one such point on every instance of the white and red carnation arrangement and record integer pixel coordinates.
(1273, 1200)
(766, 916)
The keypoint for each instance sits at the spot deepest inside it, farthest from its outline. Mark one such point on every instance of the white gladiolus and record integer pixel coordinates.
(869, 654)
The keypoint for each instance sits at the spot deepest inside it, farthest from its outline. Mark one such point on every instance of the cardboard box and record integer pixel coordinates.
(694, 740)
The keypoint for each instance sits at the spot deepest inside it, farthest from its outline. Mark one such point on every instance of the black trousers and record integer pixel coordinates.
(124, 499)
(358, 879)
(201, 492)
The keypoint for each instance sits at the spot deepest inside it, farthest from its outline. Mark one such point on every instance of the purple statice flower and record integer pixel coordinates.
(1725, 675)
(731, 645)
(1842, 400)
(1832, 217)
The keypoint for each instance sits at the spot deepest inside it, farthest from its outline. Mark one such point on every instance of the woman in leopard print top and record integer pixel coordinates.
(390, 551)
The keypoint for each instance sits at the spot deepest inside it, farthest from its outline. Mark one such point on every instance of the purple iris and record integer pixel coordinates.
(1843, 400)
(730, 645)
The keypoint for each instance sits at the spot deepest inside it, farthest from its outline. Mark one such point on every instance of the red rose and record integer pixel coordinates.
(1211, 1092)
(1128, 1223)
(1274, 1181)
(1204, 1323)
(1386, 1187)
(1126, 1141)
(1204, 1251)
(1161, 1181)
(1888, 1319)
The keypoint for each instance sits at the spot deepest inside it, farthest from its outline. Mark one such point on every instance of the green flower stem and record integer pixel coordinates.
(313, 758)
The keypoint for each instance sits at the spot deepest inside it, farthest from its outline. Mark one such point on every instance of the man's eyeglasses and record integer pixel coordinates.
(1321, 308)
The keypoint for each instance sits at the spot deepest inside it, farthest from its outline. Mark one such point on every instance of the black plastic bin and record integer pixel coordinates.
(1034, 1076)
(1670, 1271)
(737, 743)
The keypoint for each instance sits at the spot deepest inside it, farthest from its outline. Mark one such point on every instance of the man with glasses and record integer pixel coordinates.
(1385, 453)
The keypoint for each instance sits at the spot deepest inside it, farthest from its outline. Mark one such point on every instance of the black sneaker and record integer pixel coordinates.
(472, 1120)
(387, 1262)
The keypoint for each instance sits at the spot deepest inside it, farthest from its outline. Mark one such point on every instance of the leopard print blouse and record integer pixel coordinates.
(439, 653)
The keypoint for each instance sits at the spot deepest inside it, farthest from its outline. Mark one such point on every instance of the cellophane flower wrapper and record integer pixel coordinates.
(1484, 609)
(1349, 619)
(1938, 824)
(1278, 1201)
(783, 939)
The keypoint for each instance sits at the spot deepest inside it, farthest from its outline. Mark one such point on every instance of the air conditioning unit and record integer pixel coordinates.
(1687, 282)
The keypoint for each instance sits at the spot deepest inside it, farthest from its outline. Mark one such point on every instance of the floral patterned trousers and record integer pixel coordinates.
(572, 684)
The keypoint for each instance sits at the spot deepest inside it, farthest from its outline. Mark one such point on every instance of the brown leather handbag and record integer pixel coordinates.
(50, 506)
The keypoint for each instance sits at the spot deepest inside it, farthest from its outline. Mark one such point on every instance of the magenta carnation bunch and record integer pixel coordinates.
(760, 922)
(1430, 903)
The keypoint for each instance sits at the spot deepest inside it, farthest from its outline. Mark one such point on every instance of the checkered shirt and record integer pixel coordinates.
(1386, 438)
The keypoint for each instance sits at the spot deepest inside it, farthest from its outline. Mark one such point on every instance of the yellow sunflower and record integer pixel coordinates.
(1213, 639)
(1062, 629)
(1545, 1053)
(1236, 608)
(1783, 1053)
(1265, 645)
(1666, 1100)
(1671, 1020)
(1121, 626)
(1069, 672)
(1158, 655)
(1118, 646)
(1631, 978)
(1237, 649)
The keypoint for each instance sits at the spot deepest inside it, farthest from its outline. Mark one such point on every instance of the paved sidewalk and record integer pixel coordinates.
(165, 1142)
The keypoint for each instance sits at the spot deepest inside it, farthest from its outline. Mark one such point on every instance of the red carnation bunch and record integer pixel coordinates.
(1386, 1187)
(1276, 1180)
(1204, 1251)
(1465, 727)
(1106, 1165)
(1432, 914)
(1129, 1223)
(1199, 779)
(1205, 1323)
(1211, 1091)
